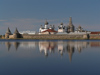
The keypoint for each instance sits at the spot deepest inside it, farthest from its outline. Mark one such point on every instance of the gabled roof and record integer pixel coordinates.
(49, 30)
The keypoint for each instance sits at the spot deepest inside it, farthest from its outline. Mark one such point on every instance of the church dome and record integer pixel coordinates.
(46, 23)
(61, 23)
(79, 26)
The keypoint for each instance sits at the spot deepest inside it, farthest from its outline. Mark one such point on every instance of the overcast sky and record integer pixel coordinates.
(30, 14)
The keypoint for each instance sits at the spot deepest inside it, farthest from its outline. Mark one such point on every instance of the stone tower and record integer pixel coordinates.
(8, 32)
(70, 27)
(16, 34)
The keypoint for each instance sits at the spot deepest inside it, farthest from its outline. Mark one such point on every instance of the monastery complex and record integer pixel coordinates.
(48, 32)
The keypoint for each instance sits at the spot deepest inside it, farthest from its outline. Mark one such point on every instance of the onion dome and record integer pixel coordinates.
(46, 23)
(79, 26)
(61, 23)
(50, 26)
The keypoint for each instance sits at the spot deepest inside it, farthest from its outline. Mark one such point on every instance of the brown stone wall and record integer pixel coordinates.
(54, 36)
(94, 36)
(11, 36)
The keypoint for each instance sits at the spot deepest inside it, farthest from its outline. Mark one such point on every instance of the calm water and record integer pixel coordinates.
(34, 57)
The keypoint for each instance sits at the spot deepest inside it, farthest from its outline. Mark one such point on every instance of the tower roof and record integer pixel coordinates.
(16, 31)
(46, 23)
(8, 31)
(61, 23)
(70, 21)
(79, 26)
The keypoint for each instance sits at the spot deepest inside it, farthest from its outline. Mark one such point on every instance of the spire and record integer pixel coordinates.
(8, 31)
(16, 31)
(70, 21)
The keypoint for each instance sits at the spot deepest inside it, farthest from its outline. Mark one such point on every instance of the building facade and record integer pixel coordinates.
(46, 29)
(61, 28)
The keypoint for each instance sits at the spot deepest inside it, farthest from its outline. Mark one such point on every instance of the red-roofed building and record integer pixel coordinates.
(95, 33)
(49, 31)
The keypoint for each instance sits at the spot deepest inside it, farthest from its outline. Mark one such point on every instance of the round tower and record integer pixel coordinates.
(16, 34)
(8, 32)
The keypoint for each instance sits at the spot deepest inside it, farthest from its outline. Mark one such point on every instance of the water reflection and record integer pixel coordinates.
(47, 47)
(8, 45)
(60, 47)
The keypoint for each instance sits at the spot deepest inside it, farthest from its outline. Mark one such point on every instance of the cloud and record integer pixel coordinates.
(3, 20)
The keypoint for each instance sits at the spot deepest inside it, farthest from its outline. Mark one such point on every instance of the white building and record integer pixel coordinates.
(27, 32)
(46, 29)
(61, 28)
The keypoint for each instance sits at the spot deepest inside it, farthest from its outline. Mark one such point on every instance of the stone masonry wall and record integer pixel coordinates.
(94, 36)
(55, 36)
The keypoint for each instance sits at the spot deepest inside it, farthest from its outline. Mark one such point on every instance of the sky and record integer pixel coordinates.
(31, 14)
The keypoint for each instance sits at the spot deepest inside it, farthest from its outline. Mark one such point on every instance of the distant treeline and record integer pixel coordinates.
(2, 36)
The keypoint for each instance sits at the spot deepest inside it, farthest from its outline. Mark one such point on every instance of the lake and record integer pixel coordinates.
(52, 57)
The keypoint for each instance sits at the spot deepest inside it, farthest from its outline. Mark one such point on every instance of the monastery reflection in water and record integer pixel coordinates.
(61, 47)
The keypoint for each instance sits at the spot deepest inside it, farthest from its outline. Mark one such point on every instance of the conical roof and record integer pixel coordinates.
(16, 31)
(8, 31)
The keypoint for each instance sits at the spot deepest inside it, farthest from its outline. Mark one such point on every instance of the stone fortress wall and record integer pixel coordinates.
(56, 36)
(17, 35)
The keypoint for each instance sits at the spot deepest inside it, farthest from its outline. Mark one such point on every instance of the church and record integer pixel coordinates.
(66, 29)
(47, 29)
(61, 29)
